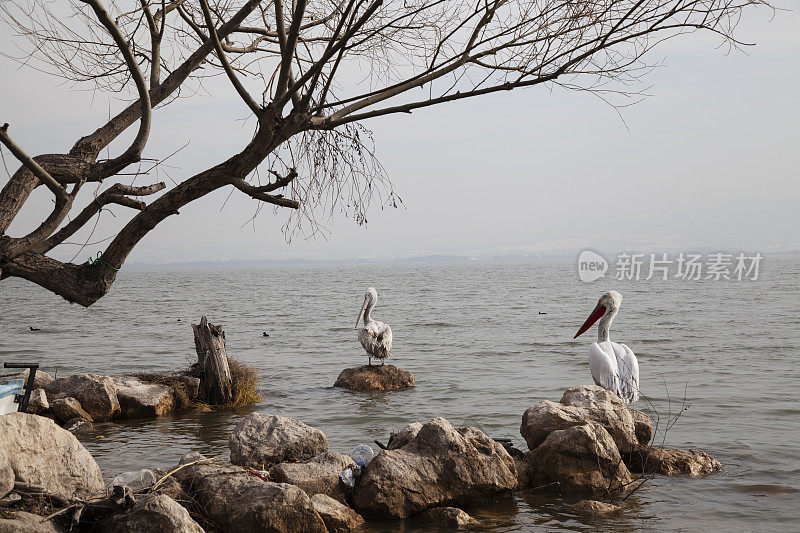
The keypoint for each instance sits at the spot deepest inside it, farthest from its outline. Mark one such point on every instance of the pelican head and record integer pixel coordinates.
(608, 303)
(370, 299)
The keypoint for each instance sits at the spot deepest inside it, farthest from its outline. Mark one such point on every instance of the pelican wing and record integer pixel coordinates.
(603, 365)
(628, 372)
(376, 338)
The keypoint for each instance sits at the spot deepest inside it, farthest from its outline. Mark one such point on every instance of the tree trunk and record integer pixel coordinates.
(215, 376)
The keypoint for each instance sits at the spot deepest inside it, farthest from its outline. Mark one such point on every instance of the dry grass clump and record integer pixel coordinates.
(245, 383)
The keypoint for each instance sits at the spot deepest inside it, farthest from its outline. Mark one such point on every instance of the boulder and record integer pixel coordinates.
(40, 380)
(41, 453)
(579, 460)
(524, 473)
(372, 378)
(236, 500)
(38, 402)
(139, 399)
(596, 508)
(68, 409)
(97, 394)
(22, 522)
(672, 462)
(168, 486)
(319, 475)
(261, 440)
(449, 517)
(78, 425)
(337, 516)
(440, 465)
(578, 406)
(6, 474)
(153, 512)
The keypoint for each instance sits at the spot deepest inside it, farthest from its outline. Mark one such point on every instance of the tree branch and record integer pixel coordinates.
(32, 165)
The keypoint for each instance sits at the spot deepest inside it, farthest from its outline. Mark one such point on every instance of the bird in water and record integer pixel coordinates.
(265, 334)
(375, 336)
(33, 328)
(614, 366)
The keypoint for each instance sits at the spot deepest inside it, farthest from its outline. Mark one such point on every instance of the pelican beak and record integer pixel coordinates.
(363, 307)
(594, 317)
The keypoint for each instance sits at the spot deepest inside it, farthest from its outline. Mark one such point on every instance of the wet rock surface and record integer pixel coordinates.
(596, 508)
(579, 460)
(447, 517)
(440, 465)
(338, 517)
(672, 462)
(318, 475)
(375, 378)
(96, 394)
(41, 453)
(261, 440)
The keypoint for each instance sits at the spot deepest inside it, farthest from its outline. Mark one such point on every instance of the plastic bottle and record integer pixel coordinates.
(136, 480)
(362, 454)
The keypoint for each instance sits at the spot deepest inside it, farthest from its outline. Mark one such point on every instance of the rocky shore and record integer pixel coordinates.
(81, 399)
(283, 477)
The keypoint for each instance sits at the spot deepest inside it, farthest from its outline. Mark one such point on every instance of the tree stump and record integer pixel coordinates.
(212, 357)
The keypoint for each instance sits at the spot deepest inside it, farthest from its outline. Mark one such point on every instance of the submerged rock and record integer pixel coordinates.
(337, 516)
(68, 409)
(374, 378)
(672, 462)
(439, 465)
(596, 508)
(578, 406)
(450, 517)
(261, 440)
(96, 394)
(41, 453)
(578, 460)
(319, 475)
(153, 512)
(139, 399)
(238, 501)
(22, 522)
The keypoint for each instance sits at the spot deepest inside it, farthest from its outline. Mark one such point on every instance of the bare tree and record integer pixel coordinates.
(310, 73)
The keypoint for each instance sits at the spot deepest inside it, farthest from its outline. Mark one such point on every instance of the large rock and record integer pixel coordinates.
(370, 378)
(41, 453)
(644, 427)
(238, 501)
(449, 517)
(67, 409)
(578, 406)
(38, 403)
(440, 465)
(97, 394)
(319, 475)
(672, 462)
(6, 474)
(139, 399)
(22, 522)
(579, 460)
(40, 380)
(153, 512)
(338, 517)
(261, 440)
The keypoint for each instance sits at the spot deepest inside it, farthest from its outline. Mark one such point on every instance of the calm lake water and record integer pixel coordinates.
(481, 353)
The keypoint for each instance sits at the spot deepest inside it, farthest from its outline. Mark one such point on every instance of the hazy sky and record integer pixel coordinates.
(710, 159)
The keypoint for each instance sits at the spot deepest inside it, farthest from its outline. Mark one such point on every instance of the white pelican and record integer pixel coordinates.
(613, 365)
(375, 336)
